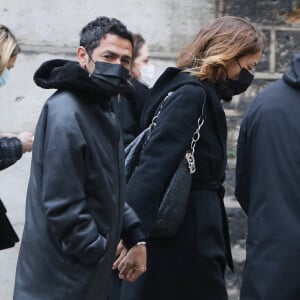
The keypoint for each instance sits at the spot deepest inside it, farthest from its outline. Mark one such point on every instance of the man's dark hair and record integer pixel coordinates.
(94, 31)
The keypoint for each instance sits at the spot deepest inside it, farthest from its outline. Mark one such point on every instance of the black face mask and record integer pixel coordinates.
(111, 78)
(232, 87)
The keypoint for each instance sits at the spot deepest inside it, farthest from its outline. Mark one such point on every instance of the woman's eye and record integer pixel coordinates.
(251, 69)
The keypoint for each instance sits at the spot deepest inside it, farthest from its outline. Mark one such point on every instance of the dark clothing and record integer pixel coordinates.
(8, 236)
(267, 187)
(128, 107)
(75, 200)
(10, 151)
(191, 264)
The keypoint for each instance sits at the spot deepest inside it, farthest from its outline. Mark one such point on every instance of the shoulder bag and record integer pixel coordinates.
(173, 204)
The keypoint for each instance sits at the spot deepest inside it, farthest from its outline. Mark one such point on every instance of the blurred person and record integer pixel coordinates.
(12, 146)
(75, 200)
(218, 64)
(142, 69)
(267, 187)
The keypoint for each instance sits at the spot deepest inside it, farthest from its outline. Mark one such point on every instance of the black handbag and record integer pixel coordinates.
(173, 205)
(8, 236)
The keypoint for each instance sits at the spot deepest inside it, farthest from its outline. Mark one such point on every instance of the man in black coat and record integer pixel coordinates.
(267, 187)
(75, 199)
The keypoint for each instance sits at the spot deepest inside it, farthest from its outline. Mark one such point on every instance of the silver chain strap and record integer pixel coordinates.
(189, 156)
(153, 122)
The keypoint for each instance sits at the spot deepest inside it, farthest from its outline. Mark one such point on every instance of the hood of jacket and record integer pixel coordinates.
(292, 75)
(68, 75)
(170, 80)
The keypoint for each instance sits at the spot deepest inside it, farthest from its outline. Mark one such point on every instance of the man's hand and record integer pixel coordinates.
(121, 253)
(26, 139)
(133, 264)
(8, 135)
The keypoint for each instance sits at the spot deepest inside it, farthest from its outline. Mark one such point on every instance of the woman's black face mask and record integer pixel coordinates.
(111, 78)
(232, 87)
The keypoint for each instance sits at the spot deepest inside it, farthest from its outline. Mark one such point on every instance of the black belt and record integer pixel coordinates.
(210, 185)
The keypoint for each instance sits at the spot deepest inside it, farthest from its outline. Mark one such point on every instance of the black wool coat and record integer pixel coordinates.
(191, 264)
(267, 187)
(75, 202)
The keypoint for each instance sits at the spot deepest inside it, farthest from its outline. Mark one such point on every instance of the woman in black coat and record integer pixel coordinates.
(217, 65)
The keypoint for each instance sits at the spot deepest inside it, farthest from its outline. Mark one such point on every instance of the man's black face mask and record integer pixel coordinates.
(232, 87)
(111, 78)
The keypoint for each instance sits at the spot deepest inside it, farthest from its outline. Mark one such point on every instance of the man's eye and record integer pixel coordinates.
(126, 62)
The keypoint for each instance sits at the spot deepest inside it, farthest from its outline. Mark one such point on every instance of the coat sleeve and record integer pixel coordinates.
(242, 180)
(10, 151)
(131, 232)
(169, 141)
(63, 189)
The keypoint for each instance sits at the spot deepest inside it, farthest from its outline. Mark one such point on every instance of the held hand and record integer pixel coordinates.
(121, 253)
(8, 135)
(120, 248)
(134, 263)
(26, 140)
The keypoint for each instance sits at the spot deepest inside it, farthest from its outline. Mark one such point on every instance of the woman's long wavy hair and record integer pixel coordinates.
(8, 47)
(216, 45)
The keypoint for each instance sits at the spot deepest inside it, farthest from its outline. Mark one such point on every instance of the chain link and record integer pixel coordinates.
(196, 135)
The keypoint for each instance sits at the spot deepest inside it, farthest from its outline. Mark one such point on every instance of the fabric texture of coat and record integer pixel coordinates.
(267, 187)
(75, 202)
(191, 264)
(10, 151)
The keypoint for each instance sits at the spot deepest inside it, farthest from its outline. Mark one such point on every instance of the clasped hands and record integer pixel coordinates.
(131, 263)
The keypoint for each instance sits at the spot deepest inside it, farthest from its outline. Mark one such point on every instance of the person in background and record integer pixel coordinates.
(142, 69)
(129, 104)
(267, 187)
(12, 146)
(75, 211)
(218, 64)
